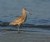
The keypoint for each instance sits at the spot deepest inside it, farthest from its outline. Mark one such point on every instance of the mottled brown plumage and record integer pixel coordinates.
(21, 19)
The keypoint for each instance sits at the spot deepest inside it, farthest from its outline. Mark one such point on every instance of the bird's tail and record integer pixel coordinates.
(11, 23)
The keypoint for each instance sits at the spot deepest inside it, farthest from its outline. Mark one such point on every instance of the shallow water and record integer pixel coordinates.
(11, 9)
(40, 30)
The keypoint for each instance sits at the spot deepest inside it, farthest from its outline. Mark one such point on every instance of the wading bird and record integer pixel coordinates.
(21, 19)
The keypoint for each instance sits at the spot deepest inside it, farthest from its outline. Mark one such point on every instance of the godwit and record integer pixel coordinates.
(21, 19)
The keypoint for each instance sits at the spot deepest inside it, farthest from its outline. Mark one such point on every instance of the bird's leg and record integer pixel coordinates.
(18, 28)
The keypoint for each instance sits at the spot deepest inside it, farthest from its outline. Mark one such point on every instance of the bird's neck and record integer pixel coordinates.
(24, 13)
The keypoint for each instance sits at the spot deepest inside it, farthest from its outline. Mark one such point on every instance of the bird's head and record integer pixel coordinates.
(29, 12)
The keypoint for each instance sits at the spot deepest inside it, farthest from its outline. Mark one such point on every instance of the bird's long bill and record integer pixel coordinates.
(28, 12)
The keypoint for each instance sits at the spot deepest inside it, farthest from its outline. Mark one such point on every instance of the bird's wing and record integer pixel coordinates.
(17, 21)
(18, 18)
